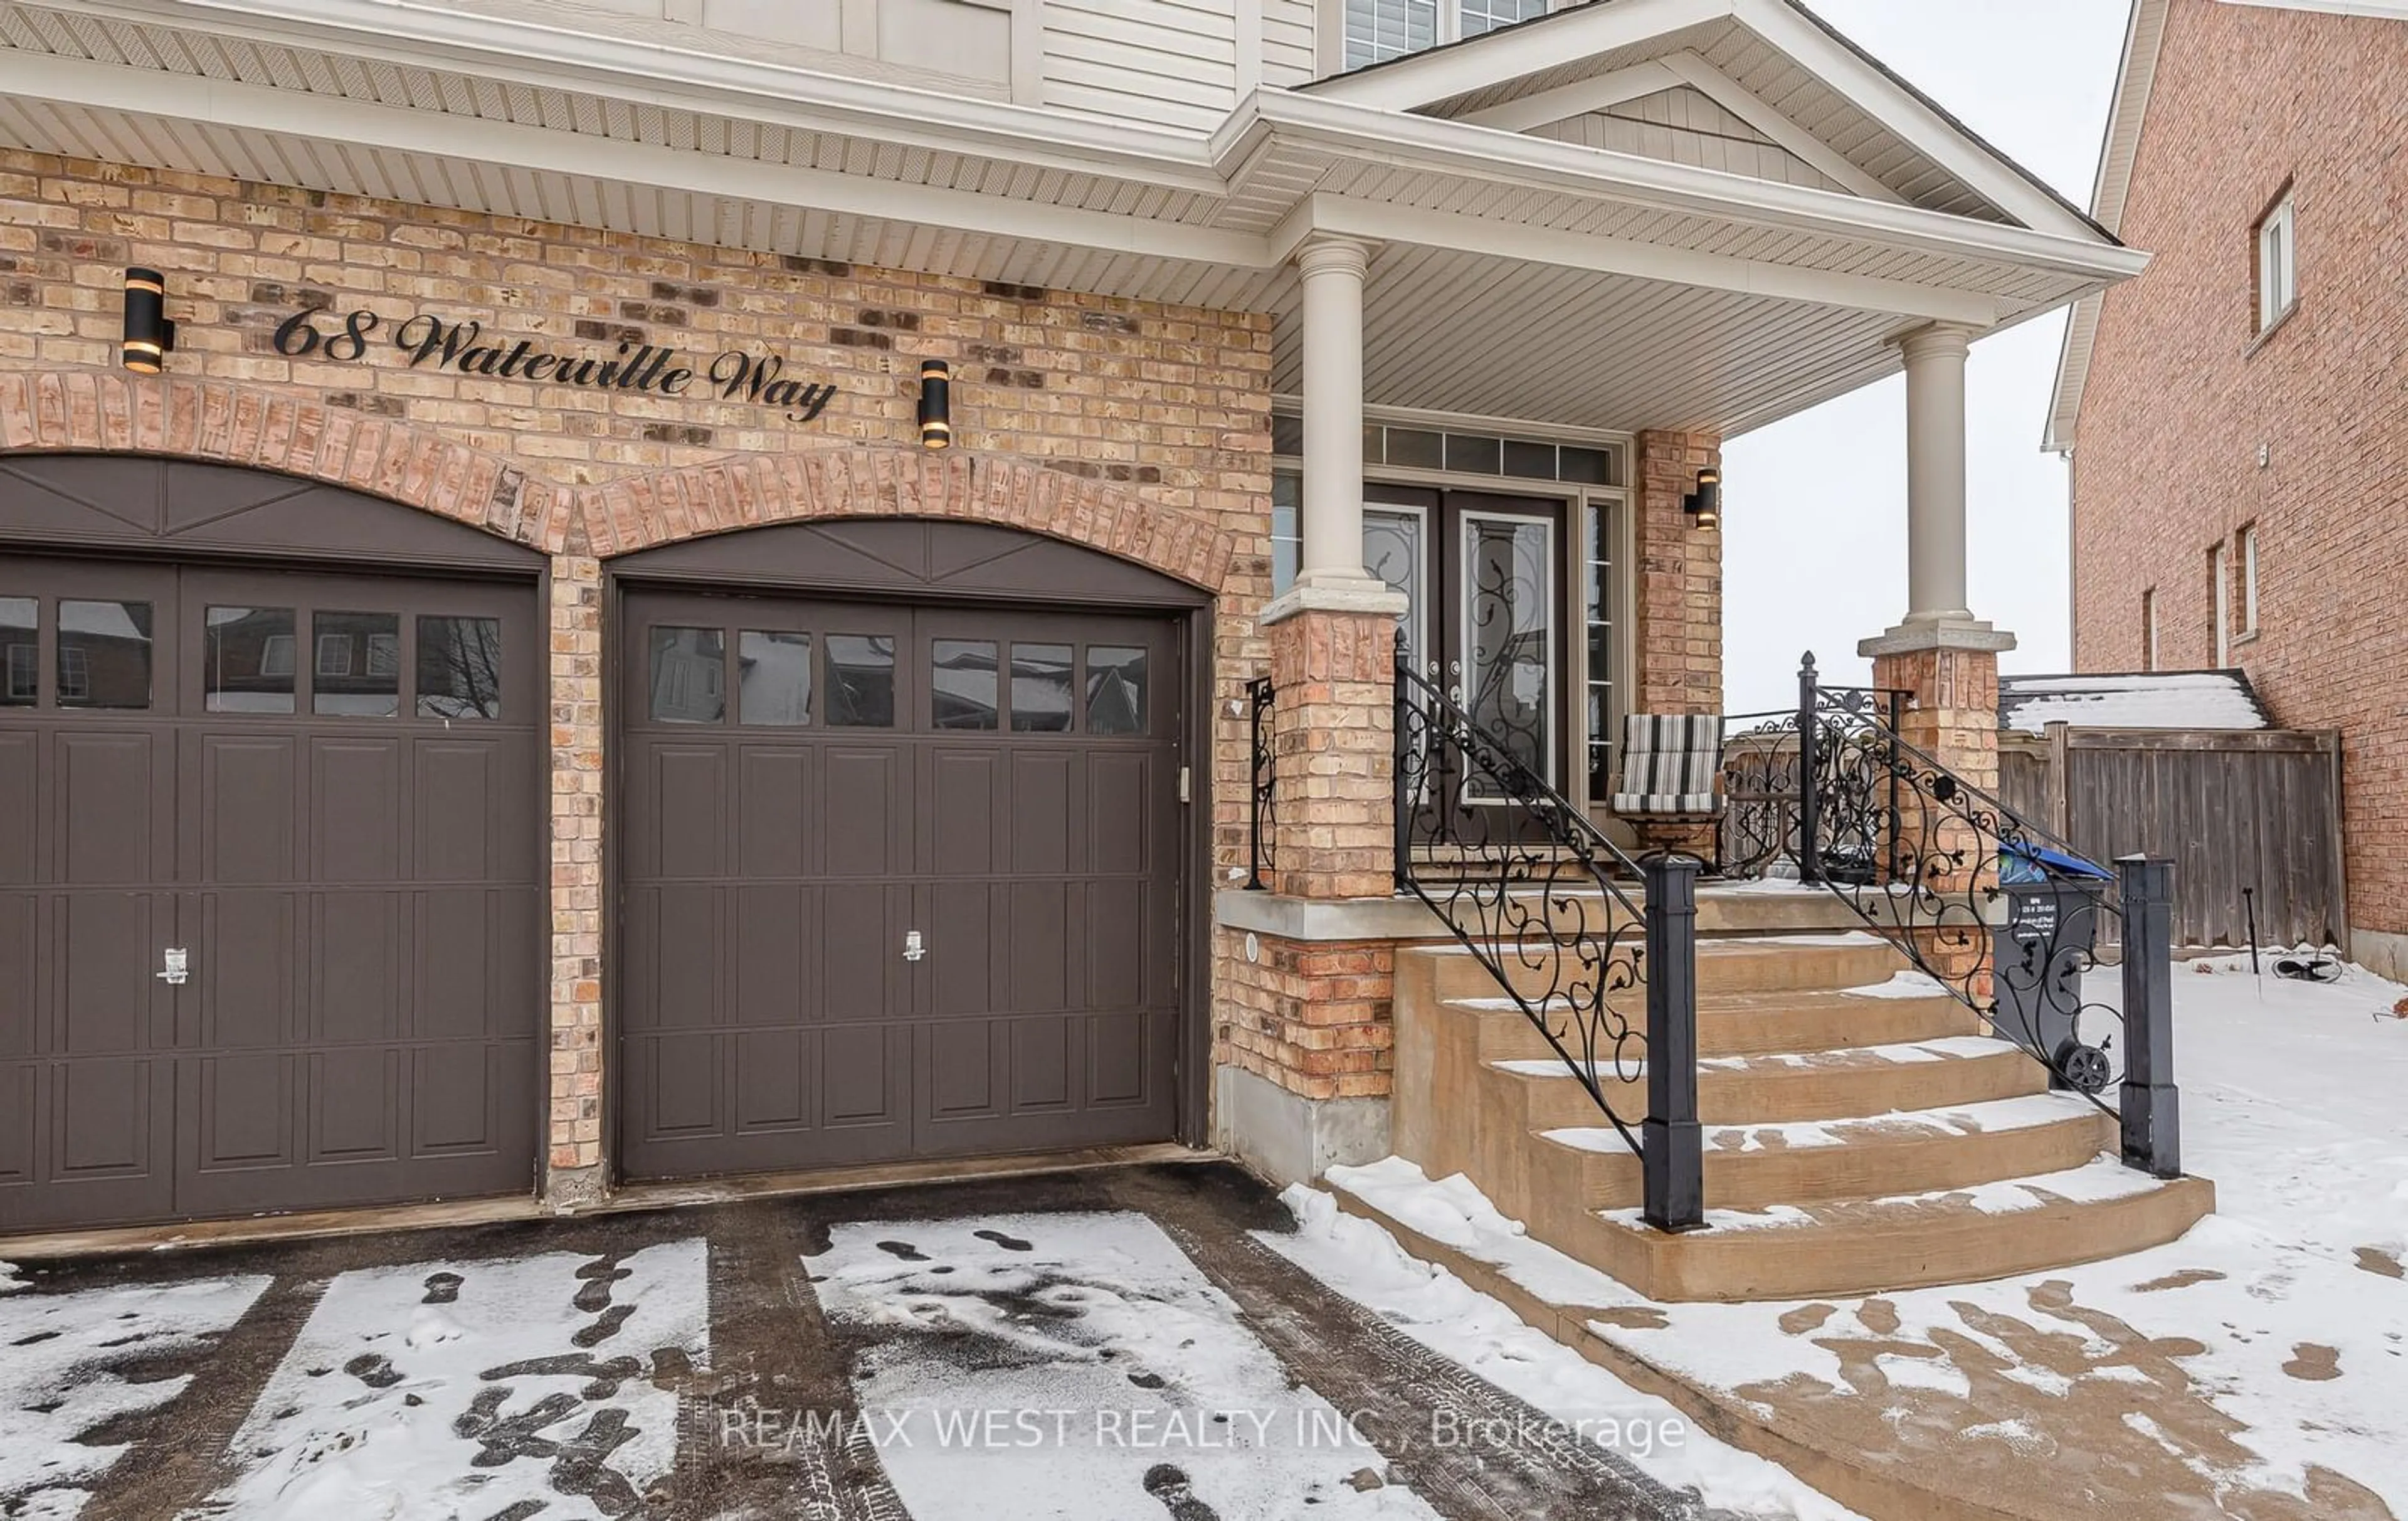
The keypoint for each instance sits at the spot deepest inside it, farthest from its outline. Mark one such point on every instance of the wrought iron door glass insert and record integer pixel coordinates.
(1539, 905)
(1262, 841)
(1508, 624)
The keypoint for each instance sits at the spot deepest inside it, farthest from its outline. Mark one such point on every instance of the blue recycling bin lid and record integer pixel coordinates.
(2023, 863)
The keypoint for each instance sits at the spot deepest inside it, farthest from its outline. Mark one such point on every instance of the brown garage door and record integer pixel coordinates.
(318, 792)
(807, 787)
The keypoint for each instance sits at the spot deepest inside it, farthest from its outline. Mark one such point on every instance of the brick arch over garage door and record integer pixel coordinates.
(102, 413)
(644, 511)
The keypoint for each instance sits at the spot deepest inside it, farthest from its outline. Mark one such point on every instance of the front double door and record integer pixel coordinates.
(1483, 575)
(899, 881)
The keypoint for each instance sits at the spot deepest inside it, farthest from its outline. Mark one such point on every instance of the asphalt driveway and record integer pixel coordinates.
(1114, 1345)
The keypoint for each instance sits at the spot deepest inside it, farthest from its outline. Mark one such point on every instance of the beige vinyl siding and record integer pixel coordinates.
(1163, 62)
(1685, 126)
(1288, 46)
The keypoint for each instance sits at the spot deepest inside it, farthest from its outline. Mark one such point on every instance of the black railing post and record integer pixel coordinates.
(1671, 1154)
(1264, 777)
(1810, 809)
(2152, 1110)
(1408, 773)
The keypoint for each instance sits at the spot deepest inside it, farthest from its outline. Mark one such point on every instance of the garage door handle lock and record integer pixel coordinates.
(912, 949)
(177, 968)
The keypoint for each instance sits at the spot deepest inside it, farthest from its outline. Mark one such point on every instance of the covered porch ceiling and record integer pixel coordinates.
(1517, 274)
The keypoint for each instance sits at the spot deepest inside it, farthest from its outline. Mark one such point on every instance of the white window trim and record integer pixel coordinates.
(2219, 571)
(2278, 263)
(2249, 582)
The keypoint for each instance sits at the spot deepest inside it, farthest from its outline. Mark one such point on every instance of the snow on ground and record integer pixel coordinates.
(1362, 1261)
(2278, 1327)
(71, 1363)
(1118, 1379)
(9, 1282)
(465, 1389)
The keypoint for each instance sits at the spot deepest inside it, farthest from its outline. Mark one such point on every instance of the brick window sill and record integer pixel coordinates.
(2249, 349)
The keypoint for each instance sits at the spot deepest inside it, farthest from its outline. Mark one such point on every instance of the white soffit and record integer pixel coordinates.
(1735, 300)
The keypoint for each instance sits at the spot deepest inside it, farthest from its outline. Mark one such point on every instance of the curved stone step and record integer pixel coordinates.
(1790, 963)
(1803, 1162)
(1753, 1023)
(1875, 1246)
(1848, 1082)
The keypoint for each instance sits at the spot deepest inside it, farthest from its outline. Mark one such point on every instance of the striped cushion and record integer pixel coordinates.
(1668, 763)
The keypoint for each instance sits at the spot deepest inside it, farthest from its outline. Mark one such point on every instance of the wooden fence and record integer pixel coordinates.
(2230, 809)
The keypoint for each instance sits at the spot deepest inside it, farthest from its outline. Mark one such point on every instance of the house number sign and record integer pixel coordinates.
(427, 342)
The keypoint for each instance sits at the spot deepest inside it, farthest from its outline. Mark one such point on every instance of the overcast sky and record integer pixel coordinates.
(1814, 537)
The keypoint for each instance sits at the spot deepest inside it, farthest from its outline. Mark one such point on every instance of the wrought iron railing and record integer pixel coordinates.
(1262, 841)
(1533, 889)
(2005, 917)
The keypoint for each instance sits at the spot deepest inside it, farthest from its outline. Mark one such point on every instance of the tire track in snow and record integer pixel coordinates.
(1359, 1363)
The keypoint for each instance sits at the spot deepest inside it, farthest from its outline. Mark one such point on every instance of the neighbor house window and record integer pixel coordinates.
(1487, 15)
(2219, 583)
(1378, 30)
(2278, 263)
(2149, 629)
(2249, 580)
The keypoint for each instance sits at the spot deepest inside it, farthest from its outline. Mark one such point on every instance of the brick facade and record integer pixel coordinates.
(1312, 1016)
(1140, 430)
(2182, 394)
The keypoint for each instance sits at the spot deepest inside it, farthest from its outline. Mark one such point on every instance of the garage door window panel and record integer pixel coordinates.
(962, 684)
(21, 651)
(1043, 676)
(358, 671)
(773, 673)
(247, 655)
(460, 669)
(1116, 682)
(861, 681)
(689, 675)
(105, 653)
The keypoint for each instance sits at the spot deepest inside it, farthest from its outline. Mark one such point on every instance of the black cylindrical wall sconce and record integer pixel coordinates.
(149, 336)
(1705, 504)
(936, 403)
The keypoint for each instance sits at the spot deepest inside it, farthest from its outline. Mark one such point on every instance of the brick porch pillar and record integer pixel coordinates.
(1334, 761)
(1679, 612)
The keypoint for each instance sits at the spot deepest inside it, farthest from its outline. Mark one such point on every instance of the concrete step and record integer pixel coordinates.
(2100, 1209)
(1532, 964)
(1845, 1082)
(1724, 909)
(1753, 1023)
(1755, 1167)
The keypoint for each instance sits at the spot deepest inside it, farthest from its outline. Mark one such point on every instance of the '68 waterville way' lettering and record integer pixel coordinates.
(429, 340)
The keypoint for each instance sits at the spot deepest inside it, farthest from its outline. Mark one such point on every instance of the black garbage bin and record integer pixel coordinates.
(2038, 954)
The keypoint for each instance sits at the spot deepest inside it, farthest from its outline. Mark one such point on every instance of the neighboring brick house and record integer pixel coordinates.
(2236, 417)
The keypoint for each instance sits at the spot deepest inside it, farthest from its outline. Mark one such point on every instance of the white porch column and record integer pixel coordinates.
(1935, 474)
(1936, 613)
(1330, 573)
